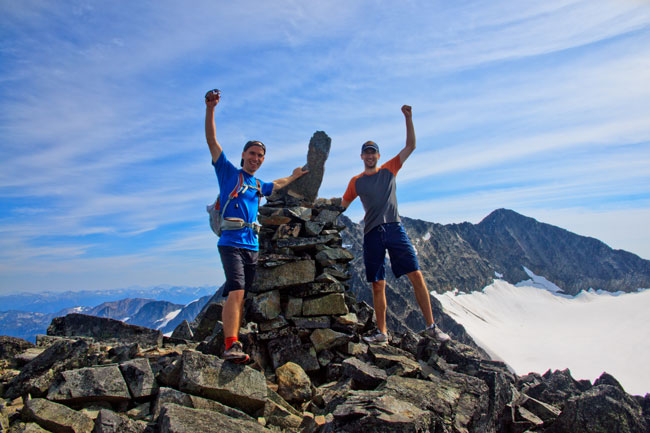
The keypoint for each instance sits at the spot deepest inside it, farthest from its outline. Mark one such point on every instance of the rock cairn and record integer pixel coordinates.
(311, 371)
(300, 306)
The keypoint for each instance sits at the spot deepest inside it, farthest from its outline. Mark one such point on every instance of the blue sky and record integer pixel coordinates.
(539, 107)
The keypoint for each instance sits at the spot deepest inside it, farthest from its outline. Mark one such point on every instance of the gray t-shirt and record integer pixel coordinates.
(377, 193)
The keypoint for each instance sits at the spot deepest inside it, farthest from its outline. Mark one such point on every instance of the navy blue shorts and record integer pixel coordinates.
(239, 265)
(391, 237)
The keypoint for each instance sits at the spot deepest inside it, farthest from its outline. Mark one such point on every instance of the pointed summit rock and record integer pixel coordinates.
(306, 188)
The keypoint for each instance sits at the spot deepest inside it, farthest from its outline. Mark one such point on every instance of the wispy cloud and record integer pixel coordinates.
(530, 105)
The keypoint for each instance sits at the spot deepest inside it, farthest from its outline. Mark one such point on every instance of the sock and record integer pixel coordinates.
(229, 341)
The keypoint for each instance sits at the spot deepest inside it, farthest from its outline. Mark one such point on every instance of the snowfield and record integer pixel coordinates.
(533, 328)
(168, 318)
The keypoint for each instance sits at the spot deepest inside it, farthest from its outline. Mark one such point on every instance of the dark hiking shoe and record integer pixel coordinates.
(236, 353)
(437, 333)
(377, 338)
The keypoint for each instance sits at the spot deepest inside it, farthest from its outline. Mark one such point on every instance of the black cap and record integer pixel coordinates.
(370, 145)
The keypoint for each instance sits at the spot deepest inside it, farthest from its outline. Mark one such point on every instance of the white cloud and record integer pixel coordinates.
(102, 114)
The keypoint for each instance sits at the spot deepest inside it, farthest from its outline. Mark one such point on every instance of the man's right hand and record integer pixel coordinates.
(212, 99)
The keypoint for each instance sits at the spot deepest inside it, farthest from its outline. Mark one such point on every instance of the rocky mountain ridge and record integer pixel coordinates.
(509, 241)
(468, 257)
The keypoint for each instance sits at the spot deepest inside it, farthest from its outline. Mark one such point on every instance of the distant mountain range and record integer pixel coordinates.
(150, 313)
(466, 257)
(53, 302)
(510, 241)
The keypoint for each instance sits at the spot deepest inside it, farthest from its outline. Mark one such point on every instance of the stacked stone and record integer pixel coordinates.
(300, 301)
(299, 309)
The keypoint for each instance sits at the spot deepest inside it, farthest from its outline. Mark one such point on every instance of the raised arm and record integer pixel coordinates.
(211, 101)
(410, 134)
(281, 183)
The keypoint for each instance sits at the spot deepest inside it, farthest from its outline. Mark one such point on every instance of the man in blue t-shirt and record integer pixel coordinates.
(238, 248)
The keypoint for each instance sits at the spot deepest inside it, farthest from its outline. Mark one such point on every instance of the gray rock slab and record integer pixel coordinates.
(315, 289)
(293, 307)
(28, 355)
(289, 348)
(180, 419)
(372, 411)
(12, 346)
(293, 383)
(313, 228)
(603, 408)
(278, 416)
(110, 422)
(338, 271)
(4, 416)
(363, 375)
(556, 387)
(170, 395)
(326, 338)
(331, 256)
(299, 244)
(299, 212)
(30, 427)
(235, 385)
(102, 328)
(289, 274)
(37, 376)
(265, 306)
(101, 383)
(139, 377)
(545, 411)
(317, 322)
(208, 319)
(274, 324)
(327, 217)
(56, 417)
(461, 401)
(386, 356)
(273, 220)
(328, 305)
(286, 231)
(183, 331)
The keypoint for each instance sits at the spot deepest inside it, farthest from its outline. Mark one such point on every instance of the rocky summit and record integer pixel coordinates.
(310, 370)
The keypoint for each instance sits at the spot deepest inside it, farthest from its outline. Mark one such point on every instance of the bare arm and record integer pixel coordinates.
(211, 102)
(345, 203)
(281, 183)
(410, 134)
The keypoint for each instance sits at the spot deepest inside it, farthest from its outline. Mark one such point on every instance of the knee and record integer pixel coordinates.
(236, 296)
(378, 287)
(416, 276)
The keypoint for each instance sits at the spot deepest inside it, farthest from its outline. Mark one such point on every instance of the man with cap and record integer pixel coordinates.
(383, 231)
(238, 248)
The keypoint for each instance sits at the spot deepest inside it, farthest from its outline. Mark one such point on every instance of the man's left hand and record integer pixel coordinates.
(406, 109)
(299, 172)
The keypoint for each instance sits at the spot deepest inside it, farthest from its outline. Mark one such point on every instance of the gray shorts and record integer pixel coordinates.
(239, 265)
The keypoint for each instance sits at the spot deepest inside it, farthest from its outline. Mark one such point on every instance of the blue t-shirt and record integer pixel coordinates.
(243, 206)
